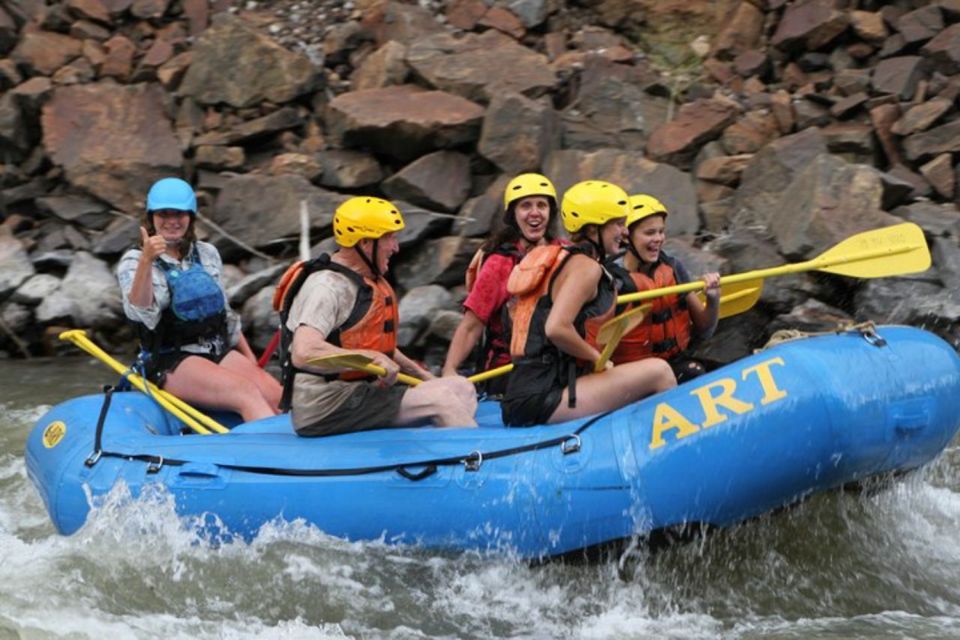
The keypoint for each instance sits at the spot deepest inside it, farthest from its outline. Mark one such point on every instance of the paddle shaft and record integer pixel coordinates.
(808, 265)
(189, 415)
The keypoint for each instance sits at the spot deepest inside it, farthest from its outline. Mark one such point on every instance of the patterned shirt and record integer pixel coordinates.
(150, 316)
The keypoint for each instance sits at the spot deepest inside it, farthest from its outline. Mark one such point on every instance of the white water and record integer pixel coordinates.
(882, 563)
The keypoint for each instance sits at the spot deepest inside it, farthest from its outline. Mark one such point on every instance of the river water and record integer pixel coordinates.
(877, 563)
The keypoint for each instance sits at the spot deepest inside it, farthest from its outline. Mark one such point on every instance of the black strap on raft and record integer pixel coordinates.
(570, 443)
(98, 436)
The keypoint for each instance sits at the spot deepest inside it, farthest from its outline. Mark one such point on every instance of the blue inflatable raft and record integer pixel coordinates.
(761, 433)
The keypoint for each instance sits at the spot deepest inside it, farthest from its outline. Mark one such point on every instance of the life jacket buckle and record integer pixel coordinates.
(571, 445)
(473, 462)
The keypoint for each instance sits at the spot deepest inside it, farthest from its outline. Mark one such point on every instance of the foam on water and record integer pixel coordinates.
(880, 563)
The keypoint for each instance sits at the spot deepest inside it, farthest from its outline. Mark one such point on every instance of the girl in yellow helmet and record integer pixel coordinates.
(667, 330)
(560, 291)
(529, 219)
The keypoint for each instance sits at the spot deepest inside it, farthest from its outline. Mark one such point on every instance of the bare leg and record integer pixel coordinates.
(269, 388)
(616, 387)
(448, 402)
(199, 381)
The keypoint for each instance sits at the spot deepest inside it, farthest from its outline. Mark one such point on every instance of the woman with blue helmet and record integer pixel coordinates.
(190, 339)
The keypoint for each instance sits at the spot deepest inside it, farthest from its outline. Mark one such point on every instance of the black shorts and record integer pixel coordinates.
(369, 406)
(686, 368)
(158, 367)
(534, 391)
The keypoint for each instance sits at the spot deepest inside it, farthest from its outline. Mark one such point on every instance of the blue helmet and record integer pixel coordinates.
(171, 193)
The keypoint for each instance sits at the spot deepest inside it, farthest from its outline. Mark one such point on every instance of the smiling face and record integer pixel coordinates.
(533, 217)
(612, 234)
(647, 237)
(387, 246)
(171, 224)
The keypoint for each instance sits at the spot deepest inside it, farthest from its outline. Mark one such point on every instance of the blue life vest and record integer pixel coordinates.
(197, 309)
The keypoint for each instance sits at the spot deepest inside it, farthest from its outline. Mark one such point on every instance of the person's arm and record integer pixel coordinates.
(141, 291)
(244, 347)
(705, 317)
(309, 343)
(410, 366)
(465, 338)
(485, 300)
(574, 287)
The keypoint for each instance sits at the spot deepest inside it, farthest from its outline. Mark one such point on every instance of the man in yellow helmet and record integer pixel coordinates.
(529, 219)
(560, 293)
(346, 306)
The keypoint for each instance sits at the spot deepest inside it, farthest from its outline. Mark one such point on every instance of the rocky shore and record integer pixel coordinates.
(772, 130)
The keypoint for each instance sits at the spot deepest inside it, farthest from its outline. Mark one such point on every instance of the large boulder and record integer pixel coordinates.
(260, 209)
(635, 173)
(235, 64)
(478, 67)
(112, 141)
(518, 133)
(88, 296)
(827, 202)
(403, 121)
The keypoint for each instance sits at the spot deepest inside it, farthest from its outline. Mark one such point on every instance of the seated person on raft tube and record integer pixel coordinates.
(190, 340)
(558, 291)
(347, 307)
(529, 220)
(668, 328)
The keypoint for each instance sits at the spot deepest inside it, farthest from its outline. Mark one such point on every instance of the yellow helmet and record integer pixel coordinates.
(364, 217)
(642, 206)
(593, 202)
(528, 184)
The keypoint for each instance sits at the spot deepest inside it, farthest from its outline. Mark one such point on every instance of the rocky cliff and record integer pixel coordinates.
(772, 130)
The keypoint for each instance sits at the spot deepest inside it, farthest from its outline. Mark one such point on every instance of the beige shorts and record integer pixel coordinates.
(369, 406)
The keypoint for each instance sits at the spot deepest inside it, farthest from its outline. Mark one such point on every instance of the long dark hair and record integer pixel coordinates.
(509, 232)
(188, 238)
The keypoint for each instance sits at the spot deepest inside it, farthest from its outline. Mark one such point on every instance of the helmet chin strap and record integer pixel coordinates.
(598, 244)
(371, 263)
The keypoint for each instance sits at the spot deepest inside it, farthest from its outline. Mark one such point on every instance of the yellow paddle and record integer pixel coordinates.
(359, 362)
(490, 373)
(199, 422)
(889, 251)
(734, 298)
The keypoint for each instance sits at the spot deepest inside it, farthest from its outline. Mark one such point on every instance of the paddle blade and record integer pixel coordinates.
(343, 361)
(617, 326)
(358, 362)
(737, 297)
(891, 251)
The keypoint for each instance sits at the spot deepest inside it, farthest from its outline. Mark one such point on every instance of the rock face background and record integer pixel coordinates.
(771, 129)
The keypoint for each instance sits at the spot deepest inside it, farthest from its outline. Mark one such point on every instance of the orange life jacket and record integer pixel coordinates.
(372, 323)
(530, 283)
(665, 332)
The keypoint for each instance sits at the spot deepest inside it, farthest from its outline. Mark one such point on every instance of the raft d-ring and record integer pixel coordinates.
(155, 466)
(571, 444)
(473, 461)
(93, 459)
(873, 338)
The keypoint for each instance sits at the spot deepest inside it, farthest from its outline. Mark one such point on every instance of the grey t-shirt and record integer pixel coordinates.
(324, 303)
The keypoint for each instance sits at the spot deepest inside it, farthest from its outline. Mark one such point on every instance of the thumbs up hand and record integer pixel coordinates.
(153, 246)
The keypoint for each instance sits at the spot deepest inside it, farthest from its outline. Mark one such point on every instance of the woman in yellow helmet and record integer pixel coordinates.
(345, 305)
(559, 291)
(667, 329)
(529, 219)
